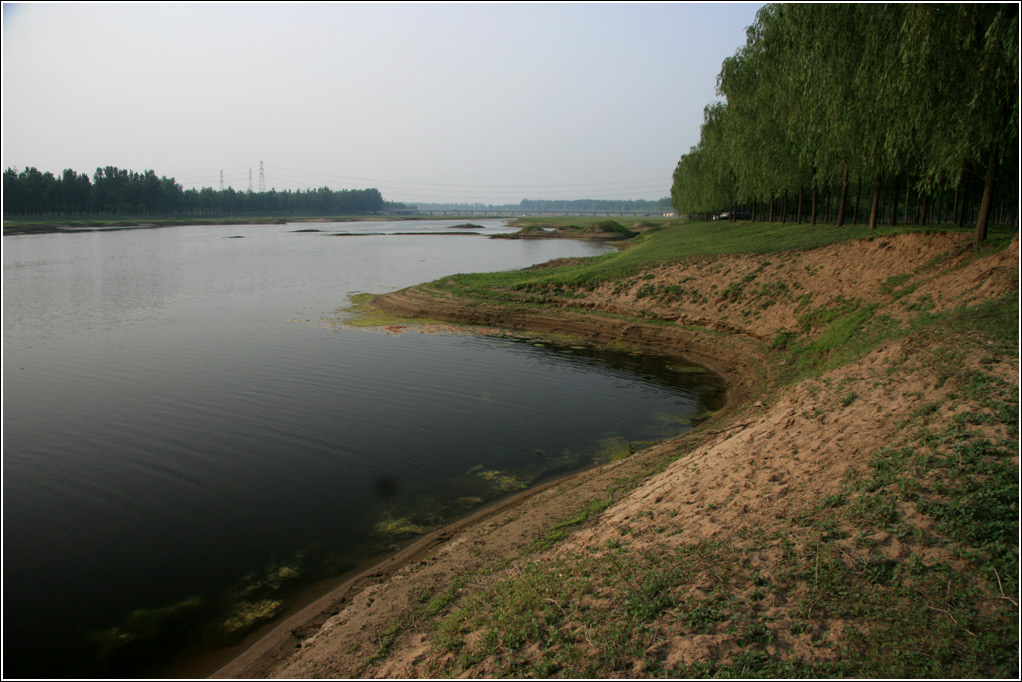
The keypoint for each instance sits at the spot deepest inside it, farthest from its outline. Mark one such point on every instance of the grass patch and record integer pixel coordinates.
(850, 333)
(362, 313)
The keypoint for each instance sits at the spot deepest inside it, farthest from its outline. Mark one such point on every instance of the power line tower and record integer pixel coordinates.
(221, 180)
(262, 178)
(250, 178)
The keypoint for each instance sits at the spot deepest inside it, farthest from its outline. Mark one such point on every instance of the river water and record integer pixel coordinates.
(187, 445)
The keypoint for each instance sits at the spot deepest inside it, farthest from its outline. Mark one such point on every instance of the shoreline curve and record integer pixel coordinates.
(732, 357)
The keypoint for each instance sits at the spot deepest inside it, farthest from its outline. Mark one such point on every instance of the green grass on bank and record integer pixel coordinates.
(674, 241)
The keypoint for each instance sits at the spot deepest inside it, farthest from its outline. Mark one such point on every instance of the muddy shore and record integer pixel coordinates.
(774, 450)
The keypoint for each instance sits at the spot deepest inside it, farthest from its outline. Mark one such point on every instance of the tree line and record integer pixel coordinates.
(597, 205)
(116, 191)
(863, 112)
(602, 205)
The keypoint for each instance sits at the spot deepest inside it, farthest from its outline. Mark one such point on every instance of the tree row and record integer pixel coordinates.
(863, 112)
(114, 191)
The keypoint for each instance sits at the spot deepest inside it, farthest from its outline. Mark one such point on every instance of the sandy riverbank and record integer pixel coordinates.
(744, 481)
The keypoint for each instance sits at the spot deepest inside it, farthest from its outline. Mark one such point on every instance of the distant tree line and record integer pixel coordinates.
(599, 205)
(904, 113)
(115, 191)
(607, 205)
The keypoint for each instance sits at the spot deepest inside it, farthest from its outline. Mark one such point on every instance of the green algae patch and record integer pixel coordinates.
(361, 313)
(615, 448)
(668, 421)
(247, 614)
(399, 526)
(703, 416)
(270, 579)
(500, 480)
(146, 624)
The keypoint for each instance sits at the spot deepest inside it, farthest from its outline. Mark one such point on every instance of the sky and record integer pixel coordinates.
(461, 102)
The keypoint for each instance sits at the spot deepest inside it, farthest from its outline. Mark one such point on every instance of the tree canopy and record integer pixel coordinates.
(912, 101)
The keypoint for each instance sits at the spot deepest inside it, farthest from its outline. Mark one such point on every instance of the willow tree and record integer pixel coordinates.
(813, 78)
(921, 97)
(965, 107)
(758, 145)
(703, 181)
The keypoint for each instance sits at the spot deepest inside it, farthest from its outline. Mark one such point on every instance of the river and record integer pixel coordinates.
(190, 440)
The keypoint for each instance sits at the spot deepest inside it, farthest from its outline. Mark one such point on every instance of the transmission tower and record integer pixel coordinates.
(262, 178)
(221, 180)
(250, 178)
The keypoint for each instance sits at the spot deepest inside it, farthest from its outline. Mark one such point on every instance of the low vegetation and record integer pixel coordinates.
(576, 228)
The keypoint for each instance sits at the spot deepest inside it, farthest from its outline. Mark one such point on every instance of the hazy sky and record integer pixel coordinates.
(427, 102)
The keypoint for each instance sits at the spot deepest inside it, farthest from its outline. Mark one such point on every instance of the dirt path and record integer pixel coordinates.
(774, 451)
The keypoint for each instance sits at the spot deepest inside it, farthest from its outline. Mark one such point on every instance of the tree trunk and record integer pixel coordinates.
(923, 209)
(894, 206)
(965, 200)
(771, 208)
(987, 201)
(858, 195)
(814, 207)
(784, 208)
(908, 189)
(876, 204)
(844, 197)
(754, 209)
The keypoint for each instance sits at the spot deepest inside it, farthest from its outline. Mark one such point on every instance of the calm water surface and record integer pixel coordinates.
(186, 445)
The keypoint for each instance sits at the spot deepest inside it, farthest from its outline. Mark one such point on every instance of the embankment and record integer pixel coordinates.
(846, 516)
